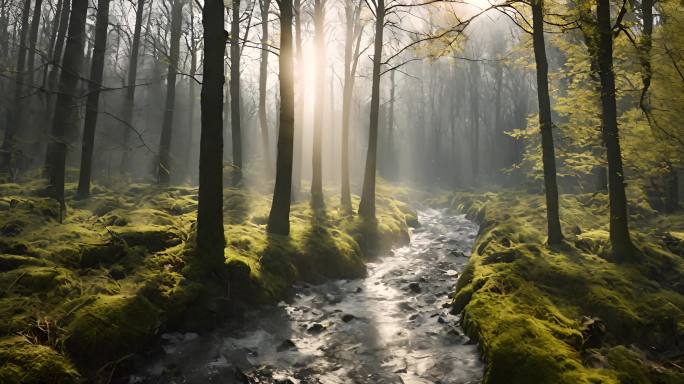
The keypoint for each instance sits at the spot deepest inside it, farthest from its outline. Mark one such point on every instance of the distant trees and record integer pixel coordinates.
(317, 200)
(265, 6)
(235, 121)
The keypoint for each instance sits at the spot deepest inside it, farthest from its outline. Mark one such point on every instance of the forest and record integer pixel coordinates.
(342, 191)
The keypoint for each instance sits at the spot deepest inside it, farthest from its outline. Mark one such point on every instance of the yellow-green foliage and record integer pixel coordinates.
(119, 269)
(530, 306)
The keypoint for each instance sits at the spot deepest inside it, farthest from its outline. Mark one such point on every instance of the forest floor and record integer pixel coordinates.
(81, 299)
(571, 314)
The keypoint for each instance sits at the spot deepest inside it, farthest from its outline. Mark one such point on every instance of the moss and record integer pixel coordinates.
(528, 304)
(111, 327)
(26, 363)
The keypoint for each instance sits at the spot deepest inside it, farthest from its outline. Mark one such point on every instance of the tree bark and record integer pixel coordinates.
(475, 120)
(33, 39)
(279, 217)
(317, 164)
(164, 167)
(297, 162)
(367, 204)
(96, 71)
(191, 95)
(263, 82)
(14, 114)
(619, 221)
(235, 93)
(129, 103)
(210, 236)
(351, 53)
(555, 236)
(65, 122)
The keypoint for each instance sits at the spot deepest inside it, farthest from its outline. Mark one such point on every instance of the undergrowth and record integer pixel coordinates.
(571, 314)
(79, 299)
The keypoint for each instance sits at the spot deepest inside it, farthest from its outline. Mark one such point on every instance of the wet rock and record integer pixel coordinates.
(441, 320)
(332, 299)
(457, 253)
(348, 317)
(286, 345)
(316, 328)
(358, 290)
(414, 316)
(415, 287)
(451, 272)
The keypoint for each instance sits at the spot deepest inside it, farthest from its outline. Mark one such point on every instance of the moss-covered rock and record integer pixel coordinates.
(527, 304)
(24, 363)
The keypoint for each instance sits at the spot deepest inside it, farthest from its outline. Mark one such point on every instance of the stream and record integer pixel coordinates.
(393, 326)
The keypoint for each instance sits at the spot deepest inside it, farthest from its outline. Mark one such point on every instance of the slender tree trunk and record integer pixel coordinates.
(279, 218)
(367, 205)
(14, 114)
(33, 39)
(392, 166)
(555, 236)
(65, 122)
(96, 71)
(191, 95)
(129, 102)
(210, 236)
(319, 42)
(164, 167)
(263, 82)
(235, 92)
(475, 120)
(299, 120)
(619, 220)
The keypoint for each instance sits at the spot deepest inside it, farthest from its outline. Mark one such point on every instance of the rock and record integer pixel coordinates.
(414, 316)
(348, 317)
(316, 328)
(12, 228)
(286, 345)
(441, 320)
(332, 299)
(415, 287)
(451, 272)
(457, 253)
(593, 333)
(358, 290)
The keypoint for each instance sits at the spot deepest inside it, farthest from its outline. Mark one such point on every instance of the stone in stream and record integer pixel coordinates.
(332, 299)
(457, 253)
(358, 290)
(286, 345)
(415, 287)
(348, 317)
(315, 328)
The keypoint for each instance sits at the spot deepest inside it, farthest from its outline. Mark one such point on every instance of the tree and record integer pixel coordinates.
(352, 11)
(279, 217)
(210, 236)
(64, 125)
(235, 92)
(367, 204)
(129, 102)
(619, 221)
(319, 43)
(297, 163)
(263, 82)
(164, 167)
(555, 236)
(14, 115)
(96, 71)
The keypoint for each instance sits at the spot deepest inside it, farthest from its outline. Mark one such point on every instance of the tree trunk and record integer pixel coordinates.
(14, 114)
(65, 122)
(367, 205)
(555, 236)
(619, 221)
(96, 71)
(263, 82)
(317, 164)
(129, 103)
(279, 217)
(235, 93)
(299, 119)
(392, 166)
(475, 120)
(210, 236)
(33, 39)
(191, 95)
(164, 167)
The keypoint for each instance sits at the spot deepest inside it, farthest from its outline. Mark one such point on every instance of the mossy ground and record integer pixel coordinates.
(572, 314)
(92, 291)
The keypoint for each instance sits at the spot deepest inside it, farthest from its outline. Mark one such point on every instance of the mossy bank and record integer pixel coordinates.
(84, 298)
(571, 314)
